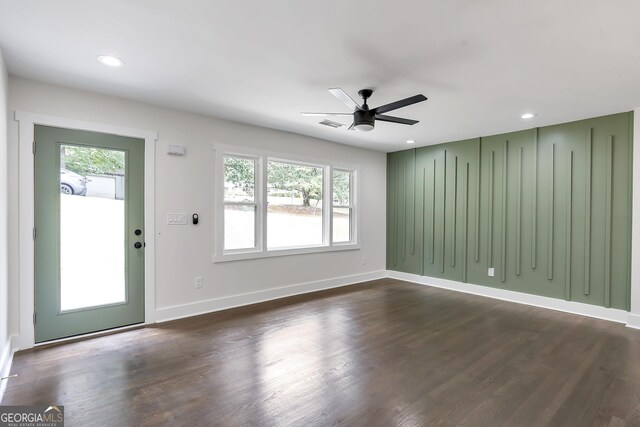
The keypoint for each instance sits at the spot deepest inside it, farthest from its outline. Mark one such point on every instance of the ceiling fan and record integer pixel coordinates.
(364, 118)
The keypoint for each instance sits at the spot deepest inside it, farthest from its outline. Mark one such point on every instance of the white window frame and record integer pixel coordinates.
(257, 219)
(261, 158)
(350, 206)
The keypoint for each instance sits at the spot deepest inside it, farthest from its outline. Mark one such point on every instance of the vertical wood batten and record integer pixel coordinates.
(455, 211)
(433, 213)
(413, 234)
(477, 240)
(519, 212)
(607, 220)
(395, 212)
(503, 251)
(567, 282)
(587, 210)
(550, 215)
(465, 238)
(404, 211)
(444, 211)
(534, 210)
(490, 214)
(424, 216)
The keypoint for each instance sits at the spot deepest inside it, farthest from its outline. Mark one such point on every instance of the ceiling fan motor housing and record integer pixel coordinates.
(364, 117)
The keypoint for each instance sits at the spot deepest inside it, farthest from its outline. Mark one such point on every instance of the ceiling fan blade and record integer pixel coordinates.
(399, 104)
(352, 126)
(326, 114)
(393, 119)
(342, 96)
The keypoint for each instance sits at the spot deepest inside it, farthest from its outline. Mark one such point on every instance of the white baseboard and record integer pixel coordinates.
(6, 359)
(633, 321)
(201, 307)
(611, 314)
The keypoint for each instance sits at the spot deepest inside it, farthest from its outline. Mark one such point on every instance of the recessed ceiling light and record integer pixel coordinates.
(527, 116)
(111, 61)
(411, 141)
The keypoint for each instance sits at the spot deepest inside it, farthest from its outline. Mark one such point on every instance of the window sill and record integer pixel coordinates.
(238, 256)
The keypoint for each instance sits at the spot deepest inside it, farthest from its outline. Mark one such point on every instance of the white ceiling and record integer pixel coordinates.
(480, 63)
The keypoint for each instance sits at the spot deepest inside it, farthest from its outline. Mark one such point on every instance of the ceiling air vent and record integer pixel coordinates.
(330, 123)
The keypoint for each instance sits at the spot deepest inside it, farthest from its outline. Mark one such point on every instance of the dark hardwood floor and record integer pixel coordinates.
(381, 353)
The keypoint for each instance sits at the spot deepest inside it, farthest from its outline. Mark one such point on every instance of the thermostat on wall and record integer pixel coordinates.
(176, 150)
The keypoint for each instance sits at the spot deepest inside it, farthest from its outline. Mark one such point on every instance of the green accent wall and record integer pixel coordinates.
(548, 208)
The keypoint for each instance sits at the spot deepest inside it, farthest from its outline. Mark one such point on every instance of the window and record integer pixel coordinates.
(239, 203)
(342, 207)
(294, 205)
(269, 205)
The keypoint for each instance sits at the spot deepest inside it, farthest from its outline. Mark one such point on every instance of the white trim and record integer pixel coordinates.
(635, 217)
(252, 253)
(611, 314)
(318, 161)
(91, 335)
(327, 205)
(633, 321)
(201, 307)
(26, 335)
(6, 360)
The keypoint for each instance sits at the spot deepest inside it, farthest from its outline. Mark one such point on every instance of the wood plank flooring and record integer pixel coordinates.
(382, 353)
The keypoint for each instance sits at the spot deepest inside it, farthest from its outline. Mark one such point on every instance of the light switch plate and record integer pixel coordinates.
(492, 272)
(177, 219)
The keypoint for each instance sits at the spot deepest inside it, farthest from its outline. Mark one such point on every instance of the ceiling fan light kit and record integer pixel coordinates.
(364, 118)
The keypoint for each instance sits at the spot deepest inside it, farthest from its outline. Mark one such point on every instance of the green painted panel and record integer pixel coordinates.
(443, 209)
(403, 254)
(548, 209)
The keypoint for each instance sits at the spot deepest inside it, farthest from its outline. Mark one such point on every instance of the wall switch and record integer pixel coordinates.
(199, 282)
(177, 219)
(492, 272)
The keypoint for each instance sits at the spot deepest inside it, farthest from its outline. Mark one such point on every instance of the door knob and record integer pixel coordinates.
(137, 245)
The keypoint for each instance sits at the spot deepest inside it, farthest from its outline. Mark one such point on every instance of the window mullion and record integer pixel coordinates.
(327, 206)
(264, 197)
(240, 203)
(353, 193)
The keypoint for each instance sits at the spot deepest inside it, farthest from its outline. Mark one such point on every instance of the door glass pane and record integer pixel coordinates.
(294, 210)
(92, 227)
(239, 227)
(341, 225)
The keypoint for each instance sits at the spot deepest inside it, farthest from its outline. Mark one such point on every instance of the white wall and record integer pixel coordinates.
(4, 239)
(185, 184)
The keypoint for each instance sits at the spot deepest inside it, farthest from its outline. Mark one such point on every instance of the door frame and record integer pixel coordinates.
(27, 121)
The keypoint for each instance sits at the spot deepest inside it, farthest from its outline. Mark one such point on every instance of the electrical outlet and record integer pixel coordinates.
(492, 272)
(364, 260)
(199, 282)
